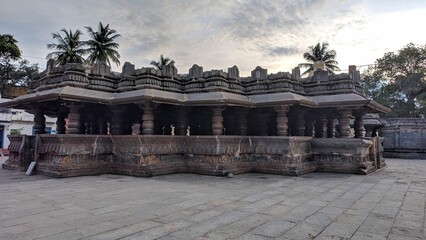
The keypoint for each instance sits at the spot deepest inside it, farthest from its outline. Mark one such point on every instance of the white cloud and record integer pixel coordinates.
(220, 33)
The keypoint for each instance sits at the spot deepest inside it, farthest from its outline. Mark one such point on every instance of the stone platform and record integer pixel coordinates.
(76, 155)
(388, 204)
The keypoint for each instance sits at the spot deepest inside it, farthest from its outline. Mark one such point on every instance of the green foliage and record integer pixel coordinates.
(8, 47)
(69, 48)
(14, 71)
(163, 62)
(101, 46)
(17, 73)
(320, 53)
(16, 131)
(398, 81)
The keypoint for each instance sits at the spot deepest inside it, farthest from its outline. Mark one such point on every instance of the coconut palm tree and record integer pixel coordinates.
(163, 62)
(102, 46)
(69, 49)
(320, 52)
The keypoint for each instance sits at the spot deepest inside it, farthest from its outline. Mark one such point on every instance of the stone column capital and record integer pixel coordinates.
(281, 108)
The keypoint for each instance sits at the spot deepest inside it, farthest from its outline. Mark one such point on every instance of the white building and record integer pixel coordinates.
(16, 121)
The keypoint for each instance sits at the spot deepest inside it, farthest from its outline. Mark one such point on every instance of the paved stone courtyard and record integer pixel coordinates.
(389, 204)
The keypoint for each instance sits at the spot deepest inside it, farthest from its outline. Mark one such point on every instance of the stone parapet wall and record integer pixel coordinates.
(351, 155)
(74, 155)
(404, 137)
(21, 149)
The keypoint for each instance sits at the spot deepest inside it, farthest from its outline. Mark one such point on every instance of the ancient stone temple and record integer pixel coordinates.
(146, 122)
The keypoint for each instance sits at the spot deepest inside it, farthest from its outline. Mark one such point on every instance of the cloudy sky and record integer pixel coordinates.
(217, 34)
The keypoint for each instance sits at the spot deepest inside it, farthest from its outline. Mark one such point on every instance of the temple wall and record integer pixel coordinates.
(20, 154)
(350, 155)
(139, 155)
(404, 137)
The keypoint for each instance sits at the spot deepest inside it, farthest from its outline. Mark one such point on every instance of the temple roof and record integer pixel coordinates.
(73, 82)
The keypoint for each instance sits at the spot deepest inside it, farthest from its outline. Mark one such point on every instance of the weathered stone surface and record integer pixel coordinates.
(20, 155)
(350, 155)
(404, 137)
(145, 155)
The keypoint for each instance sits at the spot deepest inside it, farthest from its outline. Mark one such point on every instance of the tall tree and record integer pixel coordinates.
(102, 46)
(69, 49)
(163, 62)
(9, 48)
(13, 73)
(320, 52)
(398, 80)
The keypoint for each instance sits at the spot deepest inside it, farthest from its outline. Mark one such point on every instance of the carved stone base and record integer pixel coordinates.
(139, 155)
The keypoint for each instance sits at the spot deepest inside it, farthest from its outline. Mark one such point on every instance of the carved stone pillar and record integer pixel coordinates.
(102, 125)
(242, 121)
(359, 124)
(182, 120)
(116, 125)
(93, 123)
(309, 126)
(74, 124)
(331, 126)
(147, 119)
(88, 123)
(39, 122)
(344, 121)
(300, 123)
(368, 131)
(319, 126)
(60, 123)
(217, 121)
(282, 120)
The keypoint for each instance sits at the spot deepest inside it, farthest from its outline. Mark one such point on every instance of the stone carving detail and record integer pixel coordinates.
(169, 70)
(320, 76)
(320, 127)
(50, 65)
(60, 123)
(242, 121)
(147, 119)
(259, 73)
(74, 124)
(295, 73)
(300, 122)
(331, 126)
(233, 72)
(39, 122)
(116, 127)
(182, 121)
(215, 80)
(217, 120)
(354, 74)
(195, 71)
(101, 69)
(282, 120)
(136, 129)
(128, 69)
(359, 124)
(344, 123)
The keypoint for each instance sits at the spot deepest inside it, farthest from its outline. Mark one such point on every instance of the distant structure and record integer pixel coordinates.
(17, 121)
(121, 123)
(405, 137)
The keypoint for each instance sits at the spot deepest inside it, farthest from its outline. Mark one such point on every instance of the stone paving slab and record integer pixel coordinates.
(388, 204)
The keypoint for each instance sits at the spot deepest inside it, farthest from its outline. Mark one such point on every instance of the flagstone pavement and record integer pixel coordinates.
(389, 204)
